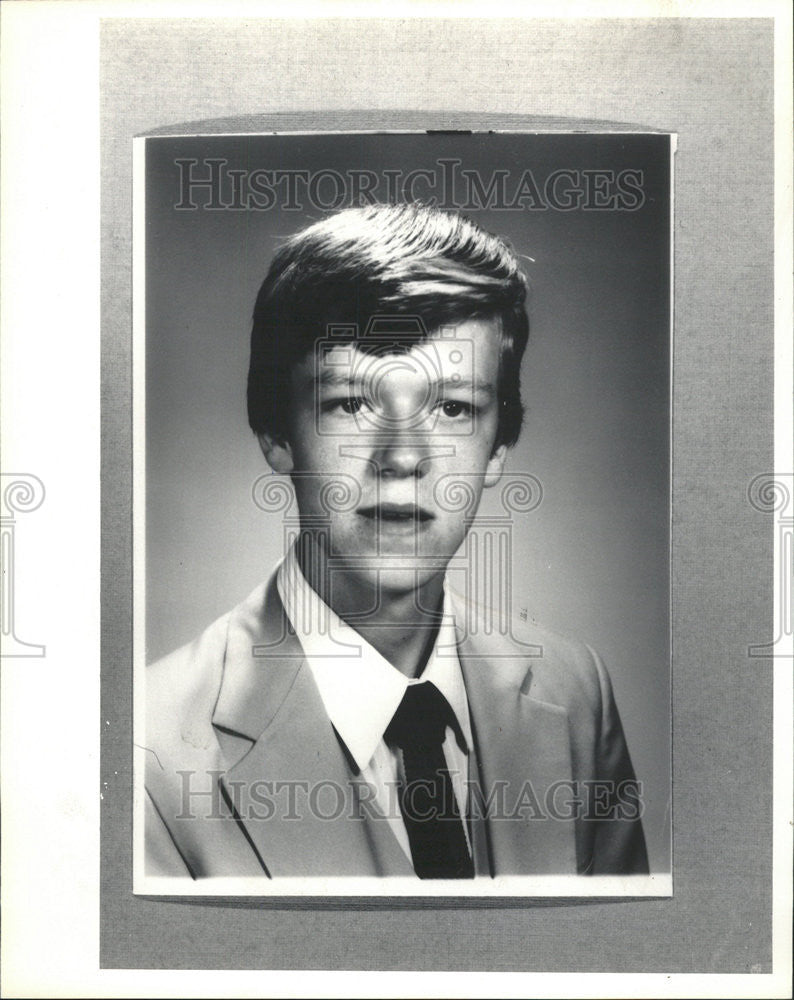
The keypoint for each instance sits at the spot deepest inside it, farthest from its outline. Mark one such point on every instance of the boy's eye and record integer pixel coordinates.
(351, 405)
(456, 408)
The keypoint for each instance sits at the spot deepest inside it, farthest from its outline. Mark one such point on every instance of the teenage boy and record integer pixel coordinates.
(351, 717)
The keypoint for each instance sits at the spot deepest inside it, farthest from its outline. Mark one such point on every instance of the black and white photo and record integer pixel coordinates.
(453, 354)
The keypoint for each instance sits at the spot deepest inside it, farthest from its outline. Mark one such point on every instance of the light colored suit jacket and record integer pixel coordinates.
(245, 775)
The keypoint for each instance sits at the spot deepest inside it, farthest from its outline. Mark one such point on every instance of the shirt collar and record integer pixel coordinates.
(359, 687)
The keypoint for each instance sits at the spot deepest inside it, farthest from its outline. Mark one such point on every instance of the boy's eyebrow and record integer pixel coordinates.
(477, 384)
(346, 380)
(330, 377)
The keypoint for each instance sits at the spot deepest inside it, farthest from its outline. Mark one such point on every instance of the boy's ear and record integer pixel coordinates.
(277, 452)
(496, 463)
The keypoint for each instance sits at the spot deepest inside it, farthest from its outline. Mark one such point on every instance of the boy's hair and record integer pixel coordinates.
(384, 260)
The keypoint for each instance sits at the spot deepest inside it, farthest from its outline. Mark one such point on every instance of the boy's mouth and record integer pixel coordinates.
(396, 513)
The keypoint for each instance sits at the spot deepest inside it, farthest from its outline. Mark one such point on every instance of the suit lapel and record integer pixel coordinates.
(299, 800)
(524, 758)
(288, 778)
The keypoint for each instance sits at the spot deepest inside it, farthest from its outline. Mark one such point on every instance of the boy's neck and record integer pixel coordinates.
(404, 627)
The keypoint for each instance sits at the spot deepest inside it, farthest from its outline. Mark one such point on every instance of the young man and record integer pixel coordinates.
(355, 716)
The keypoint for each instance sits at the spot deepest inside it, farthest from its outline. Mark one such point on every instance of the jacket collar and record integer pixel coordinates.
(272, 726)
(523, 750)
(287, 776)
(262, 660)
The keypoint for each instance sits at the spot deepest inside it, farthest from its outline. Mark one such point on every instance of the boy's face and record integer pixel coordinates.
(389, 454)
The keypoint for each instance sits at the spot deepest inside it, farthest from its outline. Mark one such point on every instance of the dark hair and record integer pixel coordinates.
(395, 260)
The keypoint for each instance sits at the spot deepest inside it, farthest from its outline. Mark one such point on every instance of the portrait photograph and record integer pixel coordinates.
(397, 500)
(402, 513)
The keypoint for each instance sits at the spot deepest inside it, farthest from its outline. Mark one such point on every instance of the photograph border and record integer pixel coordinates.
(319, 891)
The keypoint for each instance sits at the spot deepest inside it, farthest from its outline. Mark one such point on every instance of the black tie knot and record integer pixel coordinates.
(421, 718)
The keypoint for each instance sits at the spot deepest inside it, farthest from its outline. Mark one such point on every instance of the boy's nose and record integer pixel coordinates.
(401, 456)
(398, 456)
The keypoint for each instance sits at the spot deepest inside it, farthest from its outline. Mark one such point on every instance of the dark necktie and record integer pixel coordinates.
(427, 798)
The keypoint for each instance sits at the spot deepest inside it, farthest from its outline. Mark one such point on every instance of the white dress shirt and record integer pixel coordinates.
(361, 690)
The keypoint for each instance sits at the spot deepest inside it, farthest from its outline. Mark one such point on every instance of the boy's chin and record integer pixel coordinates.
(395, 576)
